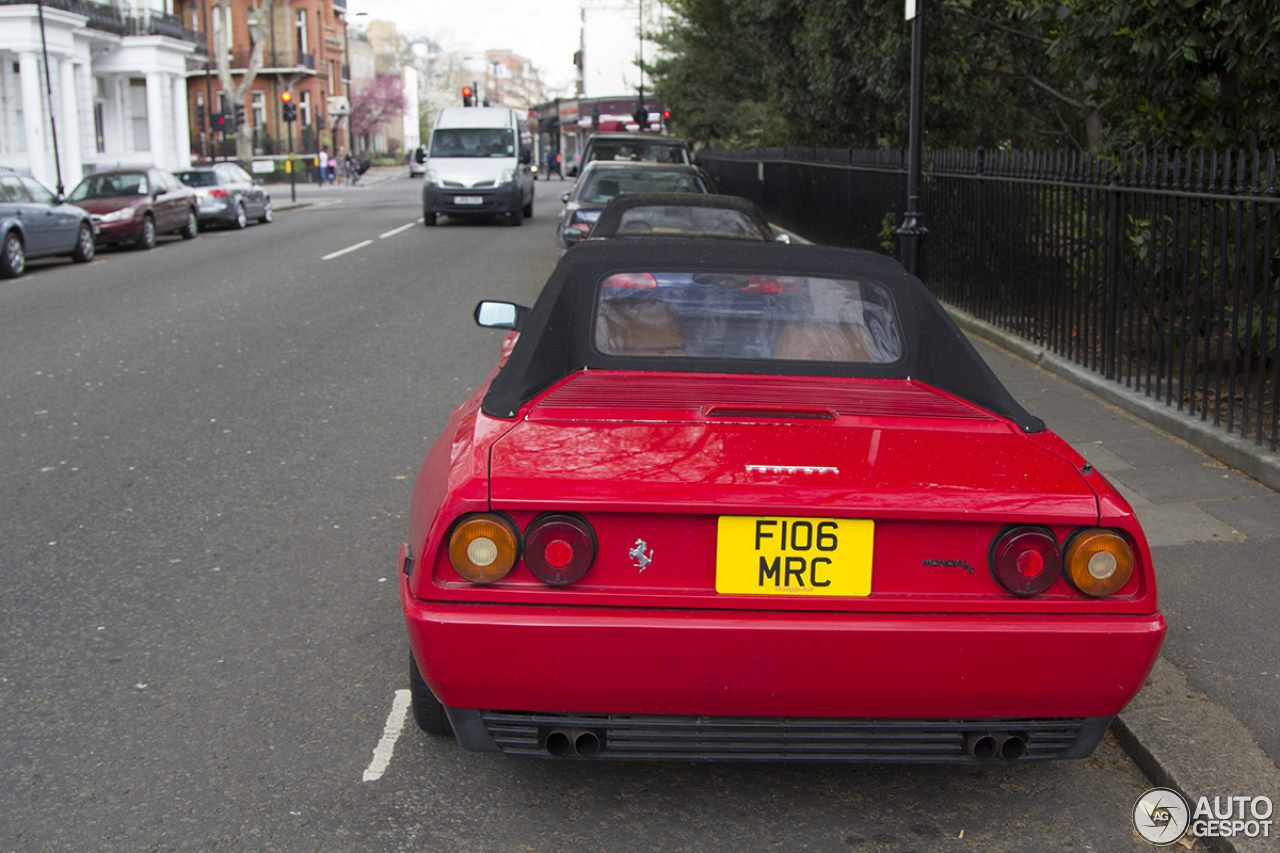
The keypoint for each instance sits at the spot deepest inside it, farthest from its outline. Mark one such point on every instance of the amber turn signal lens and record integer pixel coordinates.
(484, 548)
(1099, 562)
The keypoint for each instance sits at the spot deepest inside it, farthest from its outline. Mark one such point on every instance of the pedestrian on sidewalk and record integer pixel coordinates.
(324, 166)
(353, 169)
(553, 163)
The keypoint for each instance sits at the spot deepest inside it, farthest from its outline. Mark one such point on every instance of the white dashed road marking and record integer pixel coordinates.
(333, 255)
(390, 734)
(395, 231)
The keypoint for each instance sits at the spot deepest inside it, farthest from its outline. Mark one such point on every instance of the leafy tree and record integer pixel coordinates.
(260, 12)
(378, 100)
(1090, 74)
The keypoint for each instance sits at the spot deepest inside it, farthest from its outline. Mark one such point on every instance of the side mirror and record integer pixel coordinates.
(501, 315)
(564, 197)
(573, 235)
(783, 238)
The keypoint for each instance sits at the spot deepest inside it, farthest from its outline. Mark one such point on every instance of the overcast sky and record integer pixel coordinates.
(545, 31)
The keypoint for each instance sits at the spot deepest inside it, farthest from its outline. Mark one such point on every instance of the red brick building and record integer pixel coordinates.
(304, 53)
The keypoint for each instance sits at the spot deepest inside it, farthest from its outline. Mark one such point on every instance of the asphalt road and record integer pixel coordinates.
(207, 456)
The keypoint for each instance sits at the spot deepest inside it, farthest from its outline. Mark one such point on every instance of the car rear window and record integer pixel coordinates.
(603, 185)
(740, 315)
(673, 220)
(638, 152)
(199, 178)
(110, 186)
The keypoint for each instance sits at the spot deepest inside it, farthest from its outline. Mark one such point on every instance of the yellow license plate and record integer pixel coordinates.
(793, 556)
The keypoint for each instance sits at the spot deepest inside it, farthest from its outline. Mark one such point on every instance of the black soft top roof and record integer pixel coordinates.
(611, 217)
(556, 339)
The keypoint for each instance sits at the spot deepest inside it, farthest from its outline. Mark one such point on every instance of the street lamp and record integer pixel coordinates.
(346, 50)
(912, 232)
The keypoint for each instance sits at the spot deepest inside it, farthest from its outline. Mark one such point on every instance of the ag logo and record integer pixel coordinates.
(1161, 816)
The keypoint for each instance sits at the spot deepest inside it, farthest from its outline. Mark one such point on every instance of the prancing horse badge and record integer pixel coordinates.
(638, 554)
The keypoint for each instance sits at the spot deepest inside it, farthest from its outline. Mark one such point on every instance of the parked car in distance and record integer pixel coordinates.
(417, 161)
(645, 215)
(635, 148)
(35, 223)
(228, 195)
(602, 180)
(740, 500)
(134, 206)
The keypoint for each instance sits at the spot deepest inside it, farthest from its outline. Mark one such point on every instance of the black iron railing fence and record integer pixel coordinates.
(1161, 272)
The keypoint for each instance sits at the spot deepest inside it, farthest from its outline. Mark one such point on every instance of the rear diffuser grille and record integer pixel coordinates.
(626, 737)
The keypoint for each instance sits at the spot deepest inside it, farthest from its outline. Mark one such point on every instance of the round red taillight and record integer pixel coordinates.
(559, 549)
(1025, 560)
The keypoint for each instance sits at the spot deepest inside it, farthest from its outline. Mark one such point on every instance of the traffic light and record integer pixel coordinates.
(666, 119)
(468, 97)
(289, 108)
(200, 120)
(220, 122)
(239, 117)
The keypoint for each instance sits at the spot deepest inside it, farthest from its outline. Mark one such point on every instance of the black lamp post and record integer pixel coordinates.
(912, 232)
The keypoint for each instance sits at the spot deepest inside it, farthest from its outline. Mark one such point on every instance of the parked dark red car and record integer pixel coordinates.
(134, 206)
(748, 500)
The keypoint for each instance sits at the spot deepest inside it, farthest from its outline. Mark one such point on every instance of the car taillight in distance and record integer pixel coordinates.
(1025, 559)
(559, 548)
(218, 193)
(1099, 562)
(483, 548)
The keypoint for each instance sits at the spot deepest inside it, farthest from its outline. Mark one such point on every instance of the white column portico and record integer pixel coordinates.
(33, 115)
(69, 141)
(155, 118)
(181, 122)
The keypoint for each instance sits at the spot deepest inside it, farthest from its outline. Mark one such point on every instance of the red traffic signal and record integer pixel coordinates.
(289, 110)
(286, 97)
(468, 97)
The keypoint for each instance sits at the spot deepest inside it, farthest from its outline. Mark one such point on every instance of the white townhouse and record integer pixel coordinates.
(115, 93)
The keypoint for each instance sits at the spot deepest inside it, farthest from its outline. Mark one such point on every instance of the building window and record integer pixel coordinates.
(259, 109)
(221, 24)
(304, 109)
(301, 26)
(138, 115)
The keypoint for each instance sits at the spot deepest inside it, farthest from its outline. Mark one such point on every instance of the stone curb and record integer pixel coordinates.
(1256, 461)
(1183, 741)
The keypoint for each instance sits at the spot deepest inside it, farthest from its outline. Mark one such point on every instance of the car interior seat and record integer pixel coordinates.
(639, 325)
(808, 341)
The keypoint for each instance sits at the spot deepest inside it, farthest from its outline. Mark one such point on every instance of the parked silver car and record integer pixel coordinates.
(35, 223)
(228, 195)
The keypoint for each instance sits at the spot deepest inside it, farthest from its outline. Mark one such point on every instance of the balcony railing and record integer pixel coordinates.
(108, 19)
(275, 59)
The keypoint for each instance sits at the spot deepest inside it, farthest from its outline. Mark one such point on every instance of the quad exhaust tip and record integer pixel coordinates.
(584, 743)
(984, 746)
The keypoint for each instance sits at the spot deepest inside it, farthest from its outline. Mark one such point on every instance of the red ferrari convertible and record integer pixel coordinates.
(758, 501)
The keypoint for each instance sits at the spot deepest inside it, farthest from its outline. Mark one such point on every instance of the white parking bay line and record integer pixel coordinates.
(333, 255)
(395, 231)
(390, 734)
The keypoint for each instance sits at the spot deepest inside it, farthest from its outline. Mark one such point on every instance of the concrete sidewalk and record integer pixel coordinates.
(310, 193)
(1206, 724)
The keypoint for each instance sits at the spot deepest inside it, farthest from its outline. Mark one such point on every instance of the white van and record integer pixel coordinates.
(478, 165)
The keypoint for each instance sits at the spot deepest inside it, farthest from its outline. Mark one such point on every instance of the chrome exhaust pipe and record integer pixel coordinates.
(984, 746)
(981, 745)
(562, 743)
(1013, 748)
(586, 743)
(559, 743)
